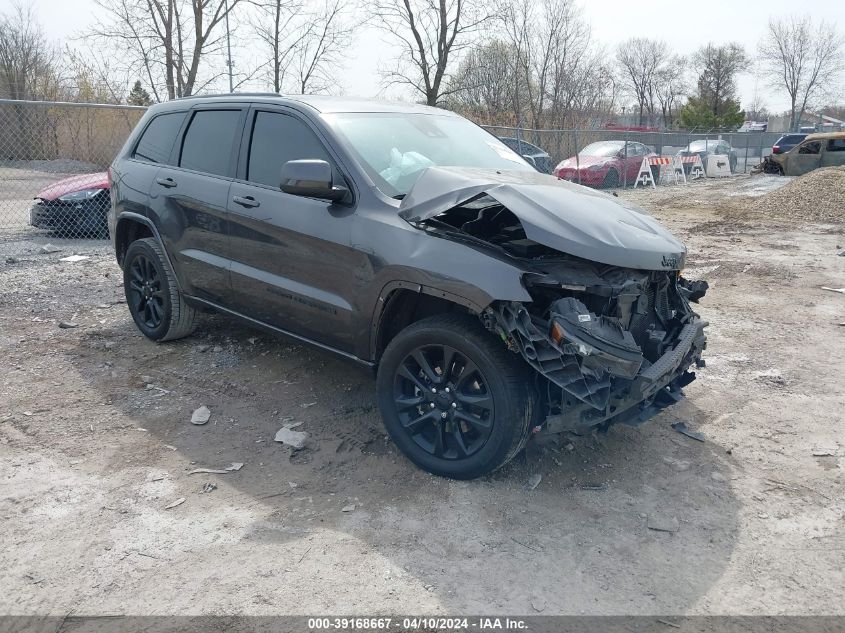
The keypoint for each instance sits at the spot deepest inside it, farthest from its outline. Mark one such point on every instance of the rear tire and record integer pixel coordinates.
(453, 399)
(152, 293)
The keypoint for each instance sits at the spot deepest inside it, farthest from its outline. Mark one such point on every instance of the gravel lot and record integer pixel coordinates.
(96, 442)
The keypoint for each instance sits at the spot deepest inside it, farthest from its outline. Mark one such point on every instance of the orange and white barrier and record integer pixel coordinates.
(697, 170)
(645, 175)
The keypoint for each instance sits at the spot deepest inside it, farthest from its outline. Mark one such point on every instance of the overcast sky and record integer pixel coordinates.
(684, 24)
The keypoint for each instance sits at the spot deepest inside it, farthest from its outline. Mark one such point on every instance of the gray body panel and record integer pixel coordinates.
(561, 215)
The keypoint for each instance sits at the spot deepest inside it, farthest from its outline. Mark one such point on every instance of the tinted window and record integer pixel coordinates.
(157, 140)
(836, 145)
(209, 140)
(276, 139)
(812, 147)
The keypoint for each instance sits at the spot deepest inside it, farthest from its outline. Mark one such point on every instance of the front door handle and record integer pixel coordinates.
(166, 182)
(246, 201)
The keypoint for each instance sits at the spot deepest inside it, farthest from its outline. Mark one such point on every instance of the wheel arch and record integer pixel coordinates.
(402, 303)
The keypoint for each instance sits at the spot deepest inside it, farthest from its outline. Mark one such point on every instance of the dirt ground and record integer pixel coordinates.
(96, 442)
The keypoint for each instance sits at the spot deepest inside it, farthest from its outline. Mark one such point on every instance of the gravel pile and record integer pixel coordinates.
(815, 197)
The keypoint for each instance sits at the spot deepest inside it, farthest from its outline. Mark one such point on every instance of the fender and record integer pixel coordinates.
(127, 216)
(395, 285)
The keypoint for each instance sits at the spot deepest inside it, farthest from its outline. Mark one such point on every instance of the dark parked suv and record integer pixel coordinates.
(494, 301)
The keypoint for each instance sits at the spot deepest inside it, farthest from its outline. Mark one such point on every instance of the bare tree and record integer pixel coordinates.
(28, 62)
(303, 42)
(556, 68)
(641, 60)
(486, 84)
(166, 40)
(430, 34)
(803, 58)
(670, 88)
(329, 34)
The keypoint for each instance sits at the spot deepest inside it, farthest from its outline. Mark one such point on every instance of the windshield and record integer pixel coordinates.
(701, 146)
(394, 147)
(607, 148)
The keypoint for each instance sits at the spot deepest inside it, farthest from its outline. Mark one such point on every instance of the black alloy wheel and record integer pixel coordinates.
(454, 400)
(146, 294)
(443, 402)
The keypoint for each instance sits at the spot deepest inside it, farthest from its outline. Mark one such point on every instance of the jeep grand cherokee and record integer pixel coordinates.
(493, 300)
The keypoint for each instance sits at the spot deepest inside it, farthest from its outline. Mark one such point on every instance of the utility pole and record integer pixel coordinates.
(228, 46)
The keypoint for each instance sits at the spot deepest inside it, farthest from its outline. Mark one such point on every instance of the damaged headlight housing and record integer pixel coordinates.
(81, 195)
(602, 344)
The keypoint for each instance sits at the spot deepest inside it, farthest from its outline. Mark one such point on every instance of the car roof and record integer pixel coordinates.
(319, 103)
(823, 135)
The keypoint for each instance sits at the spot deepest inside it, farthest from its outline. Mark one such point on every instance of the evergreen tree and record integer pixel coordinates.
(138, 96)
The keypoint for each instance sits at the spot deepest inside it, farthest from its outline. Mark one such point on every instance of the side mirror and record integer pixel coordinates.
(530, 160)
(312, 179)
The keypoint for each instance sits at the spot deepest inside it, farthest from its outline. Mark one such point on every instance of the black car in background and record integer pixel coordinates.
(787, 142)
(539, 158)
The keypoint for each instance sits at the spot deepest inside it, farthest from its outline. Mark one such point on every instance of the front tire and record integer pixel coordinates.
(453, 399)
(152, 293)
(611, 179)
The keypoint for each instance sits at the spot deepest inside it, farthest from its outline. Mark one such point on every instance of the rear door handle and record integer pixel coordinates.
(246, 201)
(166, 182)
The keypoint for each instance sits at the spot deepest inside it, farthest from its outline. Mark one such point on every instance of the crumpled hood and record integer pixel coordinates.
(558, 214)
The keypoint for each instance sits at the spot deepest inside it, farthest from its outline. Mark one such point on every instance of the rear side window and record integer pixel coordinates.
(157, 140)
(209, 141)
(276, 139)
(812, 147)
(836, 145)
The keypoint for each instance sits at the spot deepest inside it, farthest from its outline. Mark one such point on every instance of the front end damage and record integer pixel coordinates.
(609, 328)
(617, 347)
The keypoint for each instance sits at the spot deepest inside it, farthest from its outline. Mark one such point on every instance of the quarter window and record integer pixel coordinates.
(276, 139)
(836, 145)
(209, 141)
(157, 140)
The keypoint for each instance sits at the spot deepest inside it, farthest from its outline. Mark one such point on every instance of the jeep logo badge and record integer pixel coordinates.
(669, 262)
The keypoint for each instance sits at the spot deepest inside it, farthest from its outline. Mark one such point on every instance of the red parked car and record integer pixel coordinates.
(73, 207)
(605, 164)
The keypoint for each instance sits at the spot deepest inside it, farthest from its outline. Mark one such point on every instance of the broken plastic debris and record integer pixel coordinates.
(349, 508)
(67, 325)
(294, 439)
(662, 524)
(178, 502)
(681, 428)
(209, 487)
(218, 471)
(533, 481)
(74, 258)
(201, 415)
(841, 290)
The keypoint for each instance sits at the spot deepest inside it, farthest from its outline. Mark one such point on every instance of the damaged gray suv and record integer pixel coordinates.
(493, 300)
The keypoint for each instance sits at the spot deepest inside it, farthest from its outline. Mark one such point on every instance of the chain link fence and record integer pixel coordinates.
(53, 162)
(747, 148)
(54, 157)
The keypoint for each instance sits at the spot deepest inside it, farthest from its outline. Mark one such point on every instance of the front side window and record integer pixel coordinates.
(156, 142)
(395, 147)
(276, 139)
(209, 141)
(812, 147)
